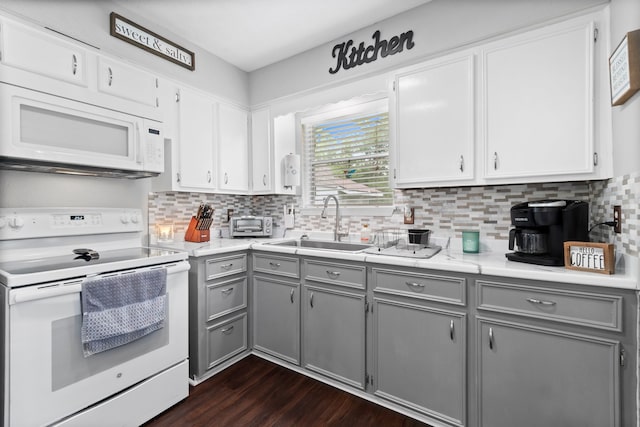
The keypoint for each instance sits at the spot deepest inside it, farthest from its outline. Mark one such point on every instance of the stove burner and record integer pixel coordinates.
(86, 254)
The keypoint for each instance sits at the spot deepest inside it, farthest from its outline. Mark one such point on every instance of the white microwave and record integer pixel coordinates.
(47, 133)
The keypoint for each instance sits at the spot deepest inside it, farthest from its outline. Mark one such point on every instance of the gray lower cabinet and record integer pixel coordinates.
(276, 317)
(533, 377)
(419, 348)
(334, 307)
(553, 354)
(218, 300)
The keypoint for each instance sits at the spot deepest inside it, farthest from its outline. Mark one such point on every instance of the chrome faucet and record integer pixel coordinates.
(337, 233)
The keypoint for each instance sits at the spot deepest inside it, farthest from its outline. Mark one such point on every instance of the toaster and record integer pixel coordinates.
(250, 226)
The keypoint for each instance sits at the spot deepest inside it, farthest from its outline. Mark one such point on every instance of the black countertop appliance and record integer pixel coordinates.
(541, 227)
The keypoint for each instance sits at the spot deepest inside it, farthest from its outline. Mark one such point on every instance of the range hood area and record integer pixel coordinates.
(30, 165)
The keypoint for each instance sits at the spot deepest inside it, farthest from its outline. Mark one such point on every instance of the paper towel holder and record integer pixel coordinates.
(291, 170)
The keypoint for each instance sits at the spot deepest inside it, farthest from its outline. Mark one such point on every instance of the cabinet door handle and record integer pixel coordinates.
(274, 265)
(264, 179)
(110, 76)
(226, 291)
(226, 266)
(540, 302)
(495, 160)
(451, 330)
(311, 299)
(227, 331)
(226, 178)
(491, 338)
(333, 274)
(461, 163)
(208, 176)
(291, 295)
(74, 64)
(415, 285)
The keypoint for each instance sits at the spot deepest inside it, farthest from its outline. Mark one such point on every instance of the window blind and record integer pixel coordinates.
(348, 156)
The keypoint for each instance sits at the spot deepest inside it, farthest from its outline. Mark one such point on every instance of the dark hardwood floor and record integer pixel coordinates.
(256, 392)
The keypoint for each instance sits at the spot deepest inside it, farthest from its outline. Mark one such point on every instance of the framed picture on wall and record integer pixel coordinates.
(624, 68)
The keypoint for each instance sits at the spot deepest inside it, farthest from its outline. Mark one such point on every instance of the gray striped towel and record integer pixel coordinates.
(117, 310)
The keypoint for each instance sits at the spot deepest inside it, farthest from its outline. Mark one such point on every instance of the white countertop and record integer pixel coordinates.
(490, 262)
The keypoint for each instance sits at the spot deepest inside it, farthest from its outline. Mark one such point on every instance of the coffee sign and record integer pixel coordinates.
(587, 256)
(348, 55)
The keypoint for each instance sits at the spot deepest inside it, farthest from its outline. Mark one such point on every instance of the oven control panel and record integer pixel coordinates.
(25, 223)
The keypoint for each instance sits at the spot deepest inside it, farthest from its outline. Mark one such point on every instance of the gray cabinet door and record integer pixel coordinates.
(276, 319)
(531, 377)
(420, 358)
(334, 334)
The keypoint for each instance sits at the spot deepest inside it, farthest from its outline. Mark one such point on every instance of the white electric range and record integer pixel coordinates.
(45, 256)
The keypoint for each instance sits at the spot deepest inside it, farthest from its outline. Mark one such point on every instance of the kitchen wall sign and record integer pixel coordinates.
(130, 32)
(624, 68)
(349, 56)
(588, 256)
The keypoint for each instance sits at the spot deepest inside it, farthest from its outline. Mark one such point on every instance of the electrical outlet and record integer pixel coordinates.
(617, 218)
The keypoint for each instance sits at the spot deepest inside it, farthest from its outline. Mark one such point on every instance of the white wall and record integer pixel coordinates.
(438, 26)
(625, 17)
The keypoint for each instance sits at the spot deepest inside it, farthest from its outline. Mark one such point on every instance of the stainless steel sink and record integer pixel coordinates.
(323, 244)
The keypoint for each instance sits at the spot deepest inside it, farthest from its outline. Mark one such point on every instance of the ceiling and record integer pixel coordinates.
(251, 34)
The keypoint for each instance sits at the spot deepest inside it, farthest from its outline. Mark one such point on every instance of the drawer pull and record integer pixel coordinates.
(540, 302)
(451, 330)
(415, 285)
(226, 291)
(274, 264)
(227, 331)
(291, 296)
(491, 338)
(226, 266)
(333, 274)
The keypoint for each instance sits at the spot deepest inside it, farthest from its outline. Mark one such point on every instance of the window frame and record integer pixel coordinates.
(354, 107)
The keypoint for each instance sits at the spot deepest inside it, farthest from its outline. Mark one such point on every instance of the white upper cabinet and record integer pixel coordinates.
(538, 94)
(125, 81)
(532, 107)
(27, 49)
(196, 133)
(233, 149)
(433, 122)
(261, 152)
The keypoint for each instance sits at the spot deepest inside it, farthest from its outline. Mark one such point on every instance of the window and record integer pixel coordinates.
(346, 154)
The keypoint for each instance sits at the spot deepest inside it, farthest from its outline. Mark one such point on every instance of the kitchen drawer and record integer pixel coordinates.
(226, 339)
(274, 264)
(581, 308)
(353, 276)
(432, 287)
(225, 266)
(226, 297)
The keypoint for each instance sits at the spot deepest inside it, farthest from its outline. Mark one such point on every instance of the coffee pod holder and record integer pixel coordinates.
(198, 230)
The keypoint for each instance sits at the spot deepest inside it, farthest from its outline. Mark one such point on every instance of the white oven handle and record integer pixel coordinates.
(50, 290)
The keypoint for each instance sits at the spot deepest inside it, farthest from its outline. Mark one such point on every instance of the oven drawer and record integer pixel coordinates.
(582, 308)
(352, 276)
(225, 266)
(226, 297)
(274, 264)
(424, 286)
(226, 339)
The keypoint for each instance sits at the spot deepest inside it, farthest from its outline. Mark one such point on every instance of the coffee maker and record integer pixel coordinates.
(541, 228)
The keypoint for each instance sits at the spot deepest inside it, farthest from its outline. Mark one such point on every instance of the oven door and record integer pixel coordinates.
(48, 376)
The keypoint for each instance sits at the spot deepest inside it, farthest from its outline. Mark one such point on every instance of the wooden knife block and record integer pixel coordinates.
(194, 235)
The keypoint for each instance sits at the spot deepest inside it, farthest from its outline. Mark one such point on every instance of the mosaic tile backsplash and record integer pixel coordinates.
(444, 210)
